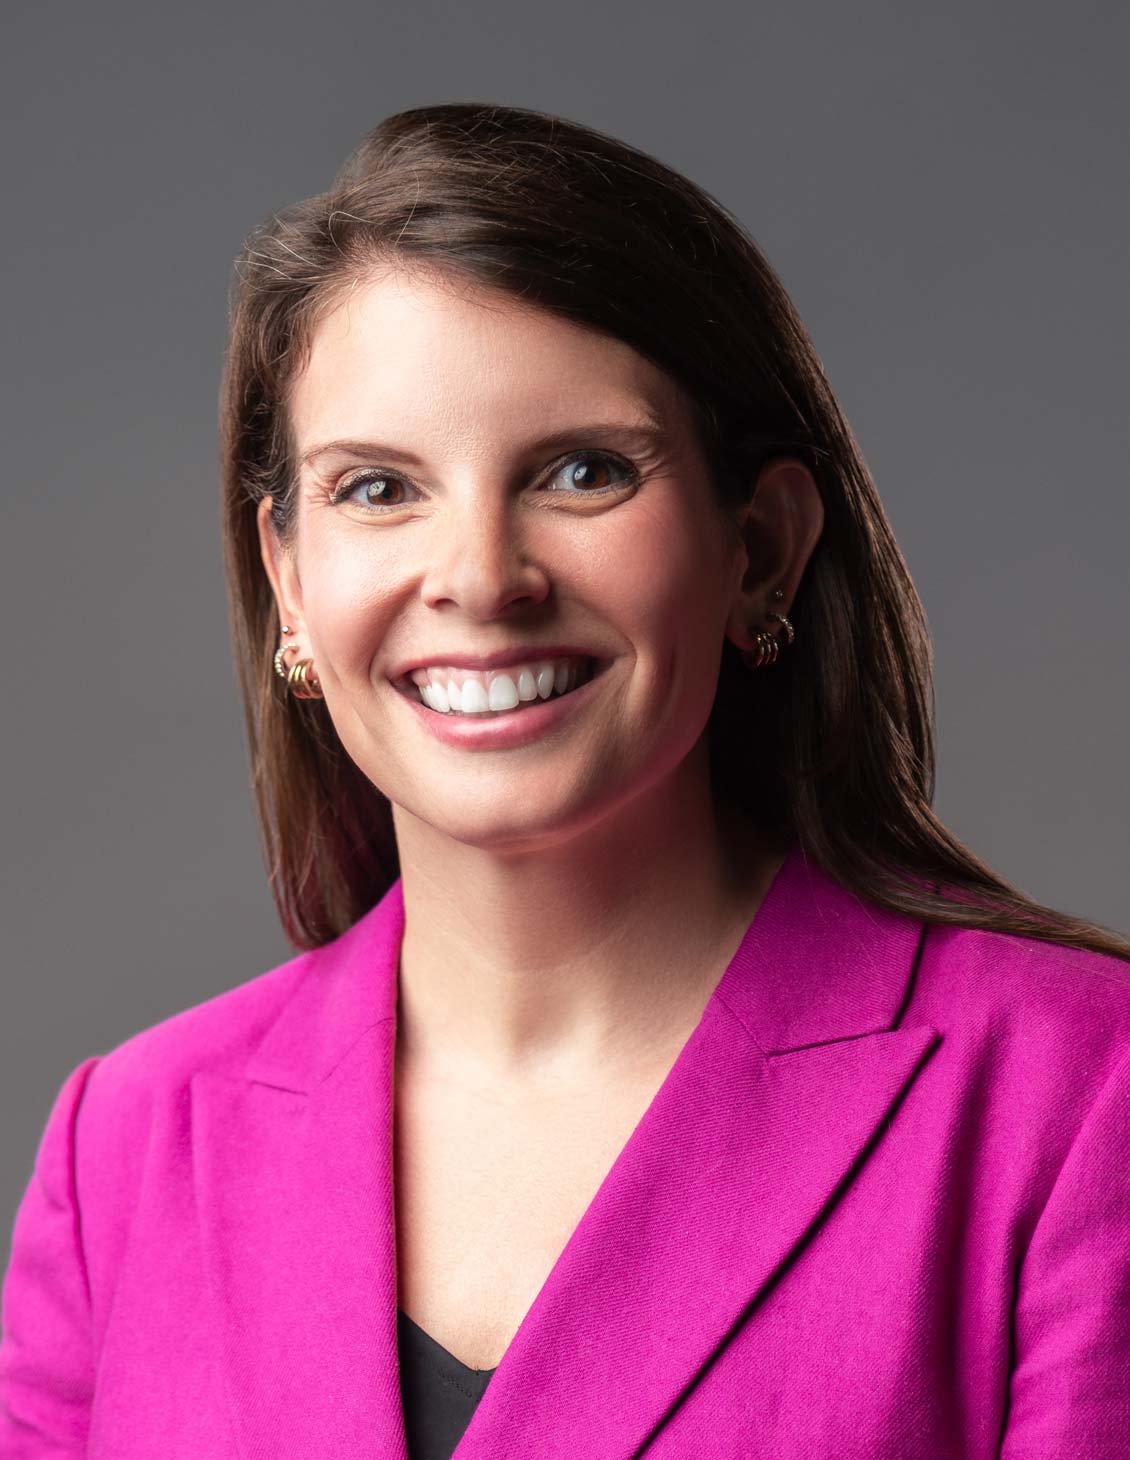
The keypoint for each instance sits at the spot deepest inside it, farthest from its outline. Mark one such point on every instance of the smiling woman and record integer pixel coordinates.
(656, 1075)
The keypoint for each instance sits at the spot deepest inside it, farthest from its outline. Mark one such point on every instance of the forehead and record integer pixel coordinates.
(457, 362)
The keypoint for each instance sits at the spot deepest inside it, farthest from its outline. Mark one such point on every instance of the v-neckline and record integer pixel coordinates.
(713, 1003)
(434, 1345)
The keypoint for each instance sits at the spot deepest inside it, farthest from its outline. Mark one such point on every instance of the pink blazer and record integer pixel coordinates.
(879, 1208)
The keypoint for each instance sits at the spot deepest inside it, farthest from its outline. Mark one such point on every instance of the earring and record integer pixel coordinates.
(764, 652)
(301, 679)
(280, 664)
(766, 646)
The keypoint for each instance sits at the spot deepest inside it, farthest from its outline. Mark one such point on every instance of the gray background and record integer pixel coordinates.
(943, 195)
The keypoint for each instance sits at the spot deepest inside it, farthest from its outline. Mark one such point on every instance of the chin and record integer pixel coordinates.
(487, 828)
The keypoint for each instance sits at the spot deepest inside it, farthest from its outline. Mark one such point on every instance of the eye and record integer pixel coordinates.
(592, 473)
(371, 488)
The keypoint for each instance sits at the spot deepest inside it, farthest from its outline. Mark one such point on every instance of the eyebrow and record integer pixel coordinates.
(650, 433)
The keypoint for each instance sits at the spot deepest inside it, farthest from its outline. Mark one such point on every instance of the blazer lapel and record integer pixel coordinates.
(780, 1090)
(293, 1176)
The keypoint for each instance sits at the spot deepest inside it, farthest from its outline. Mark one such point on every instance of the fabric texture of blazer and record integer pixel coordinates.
(878, 1208)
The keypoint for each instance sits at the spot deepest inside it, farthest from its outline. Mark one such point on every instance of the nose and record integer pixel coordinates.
(477, 558)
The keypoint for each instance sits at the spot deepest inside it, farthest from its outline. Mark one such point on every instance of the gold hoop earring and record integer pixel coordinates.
(300, 677)
(764, 652)
(766, 647)
(303, 681)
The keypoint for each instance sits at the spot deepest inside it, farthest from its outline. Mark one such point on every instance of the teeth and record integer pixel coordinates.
(496, 691)
(503, 693)
(474, 698)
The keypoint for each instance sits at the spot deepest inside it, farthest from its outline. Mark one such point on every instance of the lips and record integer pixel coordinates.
(509, 729)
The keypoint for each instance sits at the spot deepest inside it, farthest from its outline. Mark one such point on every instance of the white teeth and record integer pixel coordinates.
(474, 698)
(503, 694)
(495, 691)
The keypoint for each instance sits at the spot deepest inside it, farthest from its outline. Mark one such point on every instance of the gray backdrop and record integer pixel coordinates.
(944, 196)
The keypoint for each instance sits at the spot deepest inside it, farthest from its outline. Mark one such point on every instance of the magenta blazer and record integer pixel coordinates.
(879, 1208)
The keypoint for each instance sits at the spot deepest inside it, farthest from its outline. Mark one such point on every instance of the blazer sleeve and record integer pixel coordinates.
(46, 1365)
(1069, 1389)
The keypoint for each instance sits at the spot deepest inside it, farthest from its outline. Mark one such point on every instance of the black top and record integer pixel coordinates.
(438, 1392)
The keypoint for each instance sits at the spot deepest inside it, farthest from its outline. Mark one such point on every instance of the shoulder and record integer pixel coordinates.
(124, 1090)
(117, 1112)
(1031, 1015)
(212, 1032)
(291, 1022)
(998, 975)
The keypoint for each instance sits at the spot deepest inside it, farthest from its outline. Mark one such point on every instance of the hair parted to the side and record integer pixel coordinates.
(833, 748)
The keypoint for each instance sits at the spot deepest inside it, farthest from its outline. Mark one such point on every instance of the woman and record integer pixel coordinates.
(657, 1075)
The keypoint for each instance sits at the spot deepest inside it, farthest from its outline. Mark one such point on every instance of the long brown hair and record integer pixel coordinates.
(833, 747)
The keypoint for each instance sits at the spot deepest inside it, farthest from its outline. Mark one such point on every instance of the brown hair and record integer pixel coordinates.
(833, 747)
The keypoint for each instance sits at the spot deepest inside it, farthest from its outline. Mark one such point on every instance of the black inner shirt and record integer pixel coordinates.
(438, 1392)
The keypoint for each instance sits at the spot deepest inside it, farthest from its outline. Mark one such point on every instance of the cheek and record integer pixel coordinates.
(667, 578)
(347, 607)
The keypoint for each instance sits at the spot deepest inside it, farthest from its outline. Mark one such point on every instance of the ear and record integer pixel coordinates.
(779, 527)
(282, 571)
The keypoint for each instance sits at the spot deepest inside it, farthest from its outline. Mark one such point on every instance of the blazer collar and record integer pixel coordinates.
(793, 1066)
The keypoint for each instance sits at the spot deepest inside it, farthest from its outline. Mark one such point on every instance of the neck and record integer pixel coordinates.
(595, 953)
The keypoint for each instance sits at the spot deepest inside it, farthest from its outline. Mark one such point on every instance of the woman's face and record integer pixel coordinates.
(479, 479)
